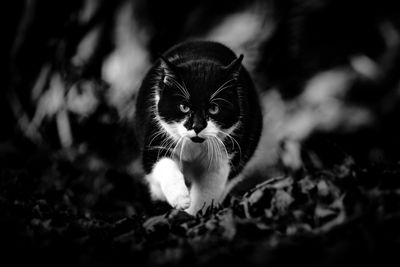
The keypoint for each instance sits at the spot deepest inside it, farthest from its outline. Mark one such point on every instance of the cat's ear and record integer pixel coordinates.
(165, 63)
(168, 68)
(233, 69)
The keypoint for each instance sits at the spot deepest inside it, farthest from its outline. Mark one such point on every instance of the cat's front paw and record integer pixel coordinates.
(179, 199)
(181, 202)
(172, 183)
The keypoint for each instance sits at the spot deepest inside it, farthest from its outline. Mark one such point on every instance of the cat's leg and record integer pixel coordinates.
(208, 188)
(167, 183)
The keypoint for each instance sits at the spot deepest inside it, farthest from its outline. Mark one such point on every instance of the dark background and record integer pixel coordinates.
(71, 188)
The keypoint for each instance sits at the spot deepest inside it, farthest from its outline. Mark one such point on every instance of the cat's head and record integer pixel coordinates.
(199, 99)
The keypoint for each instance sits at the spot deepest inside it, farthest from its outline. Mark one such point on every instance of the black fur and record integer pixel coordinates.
(203, 67)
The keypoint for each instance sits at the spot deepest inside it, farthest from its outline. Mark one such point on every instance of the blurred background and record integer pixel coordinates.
(328, 74)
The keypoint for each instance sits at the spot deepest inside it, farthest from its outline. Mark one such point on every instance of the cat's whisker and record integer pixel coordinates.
(216, 148)
(219, 148)
(168, 147)
(222, 145)
(155, 135)
(174, 151)
(163, 148)
(181, 88)
(223, 100)
(234, 141)
(213, 153)
(176, 146)
(213, 149)
(180, 154)
(208, 153)
(222, 87)
(210, 148)
(164, 144)
(181, 95)
(219, 91)
(158, 147)
(225, 83)
(184, 86)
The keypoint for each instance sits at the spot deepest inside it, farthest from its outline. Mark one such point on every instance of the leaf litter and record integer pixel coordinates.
(99, 218)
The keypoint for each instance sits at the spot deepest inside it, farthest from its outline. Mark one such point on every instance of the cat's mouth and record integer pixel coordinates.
(197, 139)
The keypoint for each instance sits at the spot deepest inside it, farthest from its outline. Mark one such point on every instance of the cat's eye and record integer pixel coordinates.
(213, 109)
(184, 108)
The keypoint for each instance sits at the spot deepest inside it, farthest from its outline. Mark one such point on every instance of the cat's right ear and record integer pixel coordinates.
(165, 63)
(168, 68)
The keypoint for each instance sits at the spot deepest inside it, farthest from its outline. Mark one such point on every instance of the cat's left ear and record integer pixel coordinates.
(234, 67)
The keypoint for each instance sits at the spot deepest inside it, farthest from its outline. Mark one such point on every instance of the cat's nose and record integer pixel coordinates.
(198, 128)
(199, 125)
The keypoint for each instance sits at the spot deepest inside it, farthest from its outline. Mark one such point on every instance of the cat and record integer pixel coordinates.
(198, 121)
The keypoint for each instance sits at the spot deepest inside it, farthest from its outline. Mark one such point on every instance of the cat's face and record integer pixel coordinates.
(199, 100)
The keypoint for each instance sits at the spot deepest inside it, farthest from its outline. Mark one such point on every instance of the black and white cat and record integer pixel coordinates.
(198, 121)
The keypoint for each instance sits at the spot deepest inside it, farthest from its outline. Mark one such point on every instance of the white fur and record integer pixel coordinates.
(207, 169)
(171, 128)
(176, 130)
(167, 183)
(207, 185)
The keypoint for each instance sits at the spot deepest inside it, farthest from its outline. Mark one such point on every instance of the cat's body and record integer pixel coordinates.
(198, 121)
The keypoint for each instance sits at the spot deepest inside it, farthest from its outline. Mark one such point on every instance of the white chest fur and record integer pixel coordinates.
(206, 171)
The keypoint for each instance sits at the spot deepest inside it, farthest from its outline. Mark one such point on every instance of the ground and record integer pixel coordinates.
(55, 213)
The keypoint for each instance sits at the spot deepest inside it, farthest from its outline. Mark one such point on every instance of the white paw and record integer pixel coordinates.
(172, 183)
(182, 202)
(179, 198)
